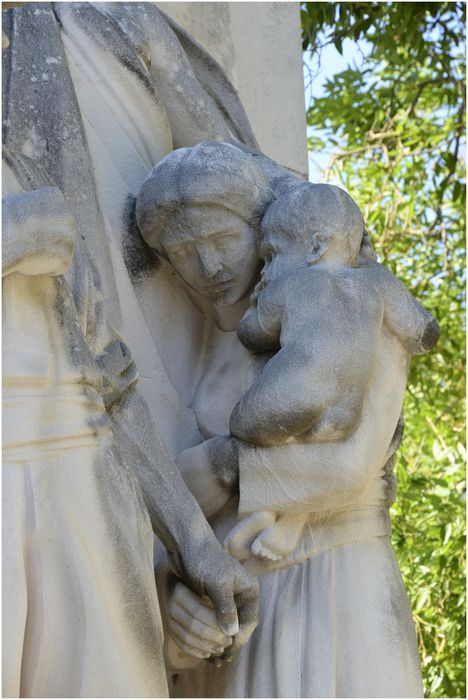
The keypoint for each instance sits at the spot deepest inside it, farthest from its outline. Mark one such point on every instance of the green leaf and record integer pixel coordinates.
(394, 115)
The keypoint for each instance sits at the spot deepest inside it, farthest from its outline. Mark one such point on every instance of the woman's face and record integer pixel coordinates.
(215, 252)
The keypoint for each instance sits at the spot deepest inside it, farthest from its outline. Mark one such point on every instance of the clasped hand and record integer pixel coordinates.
(194, 627)
(220, 581)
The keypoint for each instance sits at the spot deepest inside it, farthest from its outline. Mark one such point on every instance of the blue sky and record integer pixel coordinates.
(332, 62)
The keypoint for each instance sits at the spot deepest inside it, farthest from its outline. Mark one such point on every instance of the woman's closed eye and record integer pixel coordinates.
(225, 239)
(180, 252)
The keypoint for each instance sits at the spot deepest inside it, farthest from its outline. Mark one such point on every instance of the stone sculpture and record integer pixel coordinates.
(329, 483)
(122, 356)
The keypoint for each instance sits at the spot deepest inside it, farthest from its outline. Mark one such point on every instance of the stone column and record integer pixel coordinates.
(258, 44)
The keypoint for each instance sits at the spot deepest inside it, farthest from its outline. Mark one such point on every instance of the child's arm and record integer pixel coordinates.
(260, 328)
(314, 386)
(414, 326)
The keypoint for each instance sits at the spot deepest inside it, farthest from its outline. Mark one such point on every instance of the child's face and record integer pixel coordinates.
(280, 252)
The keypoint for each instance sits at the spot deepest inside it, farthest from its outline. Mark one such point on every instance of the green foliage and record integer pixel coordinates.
(394, 130)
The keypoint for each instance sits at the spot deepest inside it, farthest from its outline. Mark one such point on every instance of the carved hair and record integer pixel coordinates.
(305, 211)
(208, 174)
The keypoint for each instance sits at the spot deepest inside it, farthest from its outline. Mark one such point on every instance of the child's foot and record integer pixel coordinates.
(281, 539)
(239, 540)
(262, 550)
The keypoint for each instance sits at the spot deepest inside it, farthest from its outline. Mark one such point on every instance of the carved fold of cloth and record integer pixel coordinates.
(61, 369)
(78, 588)
(80, 613)
(338, 625)
(55, 394)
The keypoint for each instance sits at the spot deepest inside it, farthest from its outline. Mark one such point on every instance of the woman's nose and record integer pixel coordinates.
(210, 263)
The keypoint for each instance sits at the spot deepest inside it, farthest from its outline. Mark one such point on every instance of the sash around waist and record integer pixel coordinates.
(41, 418)
(327, 531)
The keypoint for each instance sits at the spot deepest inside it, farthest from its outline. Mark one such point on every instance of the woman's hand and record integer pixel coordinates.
(210, 470)
(209, 571)
(38, 233)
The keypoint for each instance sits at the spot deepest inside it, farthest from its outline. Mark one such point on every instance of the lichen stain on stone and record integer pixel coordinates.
(139, 259)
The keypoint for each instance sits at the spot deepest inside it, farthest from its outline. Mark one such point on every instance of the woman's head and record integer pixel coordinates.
(201, 207)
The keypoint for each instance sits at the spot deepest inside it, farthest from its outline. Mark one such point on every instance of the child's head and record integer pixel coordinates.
(315, 222)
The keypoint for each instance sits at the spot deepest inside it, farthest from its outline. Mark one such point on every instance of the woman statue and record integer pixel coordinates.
(334, 616)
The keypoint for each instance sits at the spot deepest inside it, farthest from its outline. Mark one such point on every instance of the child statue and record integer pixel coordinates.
(322, 315)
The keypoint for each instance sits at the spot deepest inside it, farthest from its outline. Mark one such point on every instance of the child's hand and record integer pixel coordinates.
(193, 625)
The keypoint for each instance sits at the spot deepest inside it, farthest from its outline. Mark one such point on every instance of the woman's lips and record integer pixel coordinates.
(218, 286)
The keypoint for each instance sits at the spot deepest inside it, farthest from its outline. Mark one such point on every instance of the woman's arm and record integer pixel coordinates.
(304, 478)
(316, 477)
(297, 478)
(178, 521)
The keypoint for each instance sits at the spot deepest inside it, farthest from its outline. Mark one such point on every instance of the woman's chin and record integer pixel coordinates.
(231, 297)
(228, 312)
(227, 297)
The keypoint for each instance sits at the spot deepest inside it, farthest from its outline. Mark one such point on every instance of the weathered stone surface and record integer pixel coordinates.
(258, 45)
(175, 297)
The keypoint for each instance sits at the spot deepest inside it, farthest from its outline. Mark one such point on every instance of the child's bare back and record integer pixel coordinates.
(313, 388)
